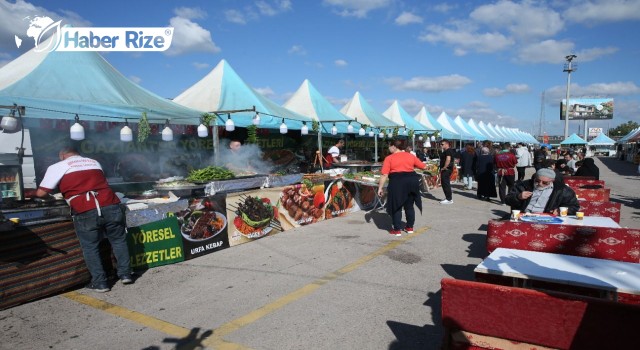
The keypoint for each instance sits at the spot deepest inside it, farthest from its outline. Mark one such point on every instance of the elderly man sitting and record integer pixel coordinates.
(541, 195)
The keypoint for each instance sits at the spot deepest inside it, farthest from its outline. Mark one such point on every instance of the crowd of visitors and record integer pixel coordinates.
(493, 168)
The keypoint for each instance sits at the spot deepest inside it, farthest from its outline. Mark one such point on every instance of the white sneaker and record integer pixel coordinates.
(446, 202)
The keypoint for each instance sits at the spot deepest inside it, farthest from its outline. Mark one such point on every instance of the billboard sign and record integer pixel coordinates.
(593, 132)
(588, 108)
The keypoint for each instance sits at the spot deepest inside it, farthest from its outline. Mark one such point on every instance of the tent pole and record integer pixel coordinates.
(375, 146)
(320, 147)
(216, 142)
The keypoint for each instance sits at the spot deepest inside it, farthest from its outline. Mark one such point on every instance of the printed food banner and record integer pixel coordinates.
(204, 226)
(155, 244)
(365, 196)
(253, 215)
(339, 198)
(302, 204)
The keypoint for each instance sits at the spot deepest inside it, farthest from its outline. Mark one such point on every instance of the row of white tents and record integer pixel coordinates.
(59, 85)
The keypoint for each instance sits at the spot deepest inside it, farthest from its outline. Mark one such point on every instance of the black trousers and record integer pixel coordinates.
(409, 212)
(521, 170)
(445, 180)
(505, 182)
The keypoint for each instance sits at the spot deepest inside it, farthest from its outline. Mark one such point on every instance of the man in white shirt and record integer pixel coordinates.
(570, 162)
(334, 151)
(524, 160)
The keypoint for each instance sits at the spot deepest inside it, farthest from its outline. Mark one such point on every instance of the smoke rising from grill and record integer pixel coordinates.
(247, 159)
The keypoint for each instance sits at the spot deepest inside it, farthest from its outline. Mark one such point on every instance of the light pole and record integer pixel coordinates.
(567, 68)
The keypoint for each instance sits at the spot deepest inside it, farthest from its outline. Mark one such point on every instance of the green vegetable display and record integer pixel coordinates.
(252, 135)
(144, 130)
(210, 173)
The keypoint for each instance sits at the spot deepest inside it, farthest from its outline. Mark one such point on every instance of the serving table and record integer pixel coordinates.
(587, 221)
(354, 166)
(609, 276)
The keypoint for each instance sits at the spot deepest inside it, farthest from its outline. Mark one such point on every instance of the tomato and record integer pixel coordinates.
(318, 200)
(334, 190)
(266, 200)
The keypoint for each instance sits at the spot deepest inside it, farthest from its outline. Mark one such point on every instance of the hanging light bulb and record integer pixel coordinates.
(229, 125)
(428, 144)
(283, 127)
(361, 132)
(371, 133)
(256, 119)
(420, 138)
(381, 134)
(203, 131)
(433, 138)
(9, 121)
(126, 135)
(334, 130)
(167, 133)
(350, 128)
(77, 130)
(305, 129)
(405, 132)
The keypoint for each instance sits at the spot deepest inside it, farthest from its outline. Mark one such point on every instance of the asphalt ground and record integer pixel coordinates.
(343, 283)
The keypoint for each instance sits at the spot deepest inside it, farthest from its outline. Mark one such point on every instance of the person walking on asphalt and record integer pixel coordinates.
(468, 160)
(485, 176)
(446, 169)
(538, 157)
(524, 160)
(404, 189)
(505, 162)
(96, 210)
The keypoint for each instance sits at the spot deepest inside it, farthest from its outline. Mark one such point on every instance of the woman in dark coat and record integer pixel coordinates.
(485, 176)
(588, 168)
(468, 160)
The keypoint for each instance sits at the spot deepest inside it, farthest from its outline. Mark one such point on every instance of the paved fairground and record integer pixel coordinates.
(339, 284)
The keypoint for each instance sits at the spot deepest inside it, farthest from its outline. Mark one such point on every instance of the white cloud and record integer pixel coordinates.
(523, 19)
(412, 106)
(266, 92)
(297, 50)
(509, 89)
(464, 40)
(595, 53)
(189, 36)
(430, 84)
(276, 8)
(552, 51)
(135, 79)
(547, 51)
(555, 94)
(444, 7)
(258, 9)
(599, 11)
(356, 8)
(518, 88)
(340, 63)
(407, 18)
(190, 12)
(493, 92)
(201, 65)
(14, 20)
(235, 16)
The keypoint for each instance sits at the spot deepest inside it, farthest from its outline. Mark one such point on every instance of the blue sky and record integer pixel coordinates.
(486, 60)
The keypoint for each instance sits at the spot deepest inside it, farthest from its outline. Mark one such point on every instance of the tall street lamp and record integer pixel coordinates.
(568, 68)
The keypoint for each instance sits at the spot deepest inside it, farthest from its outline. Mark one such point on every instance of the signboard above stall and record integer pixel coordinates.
(587, 108)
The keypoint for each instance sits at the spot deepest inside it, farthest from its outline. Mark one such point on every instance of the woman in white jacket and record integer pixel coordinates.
(524, 160)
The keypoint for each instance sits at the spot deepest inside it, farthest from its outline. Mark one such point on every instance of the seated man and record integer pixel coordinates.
(541, 195)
